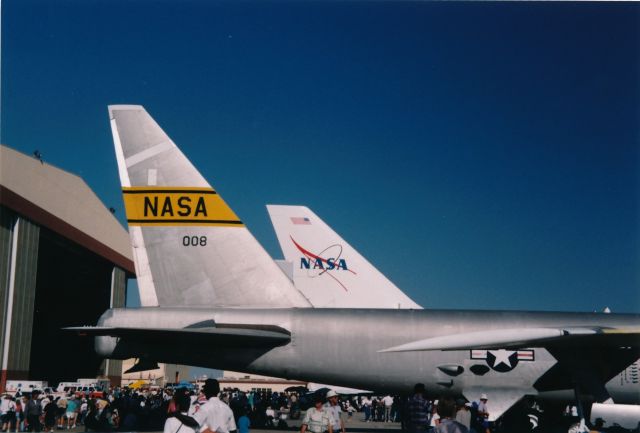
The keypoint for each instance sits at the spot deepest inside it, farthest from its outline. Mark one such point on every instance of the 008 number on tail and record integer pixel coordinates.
(194, 241)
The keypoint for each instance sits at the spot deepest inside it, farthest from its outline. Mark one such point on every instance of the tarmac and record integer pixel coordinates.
(353, 424)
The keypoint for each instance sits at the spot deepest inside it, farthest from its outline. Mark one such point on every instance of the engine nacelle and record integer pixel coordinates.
(105, 346)
(625, 415)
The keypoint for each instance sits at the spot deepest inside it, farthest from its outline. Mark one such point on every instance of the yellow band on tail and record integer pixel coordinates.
(177, 206)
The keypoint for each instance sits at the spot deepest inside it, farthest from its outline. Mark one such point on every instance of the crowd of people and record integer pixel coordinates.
(127, 409)
(416, 413)
(229, 411)
(35, 411)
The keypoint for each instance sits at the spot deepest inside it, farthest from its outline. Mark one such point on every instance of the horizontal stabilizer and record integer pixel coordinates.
(341, 390)
(525, 337)
(222, 335)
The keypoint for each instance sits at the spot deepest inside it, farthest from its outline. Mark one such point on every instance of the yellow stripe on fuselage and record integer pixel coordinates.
(177, 206)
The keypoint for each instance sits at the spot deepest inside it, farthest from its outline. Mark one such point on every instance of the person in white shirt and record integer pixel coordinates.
(196, 402)
(45, 401)
(335, 411)
(84, 408)
(483, 412)
(366, 406)
(8, 410)
(317, 419)
(214, 415)
(270, 414)
(388, 402)
(179, 421)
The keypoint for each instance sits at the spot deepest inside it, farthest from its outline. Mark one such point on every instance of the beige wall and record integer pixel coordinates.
(160, 376)
(247, 382)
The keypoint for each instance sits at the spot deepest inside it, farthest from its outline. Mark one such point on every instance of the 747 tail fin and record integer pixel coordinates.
(326, 269)
(189, 247)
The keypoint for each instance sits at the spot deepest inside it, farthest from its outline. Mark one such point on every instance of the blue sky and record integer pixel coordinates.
(481, 155)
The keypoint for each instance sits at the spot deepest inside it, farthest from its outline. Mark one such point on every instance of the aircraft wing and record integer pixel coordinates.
(588, 355)
(341, 390)
(226, 336)
(516, 338)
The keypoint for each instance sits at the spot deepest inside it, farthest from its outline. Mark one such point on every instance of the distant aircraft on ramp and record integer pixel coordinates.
(213, 297)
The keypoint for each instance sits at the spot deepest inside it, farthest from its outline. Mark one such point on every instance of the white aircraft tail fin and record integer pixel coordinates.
(189, 247)
(326, 269)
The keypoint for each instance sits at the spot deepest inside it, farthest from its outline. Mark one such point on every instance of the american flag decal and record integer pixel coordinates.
(478, 354)
(301, 221)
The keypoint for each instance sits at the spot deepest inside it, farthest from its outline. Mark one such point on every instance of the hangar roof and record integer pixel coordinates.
(64, 203)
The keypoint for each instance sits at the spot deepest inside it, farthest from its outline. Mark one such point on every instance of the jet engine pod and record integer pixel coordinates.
(105, 346)
(625, 415)
(451, 369)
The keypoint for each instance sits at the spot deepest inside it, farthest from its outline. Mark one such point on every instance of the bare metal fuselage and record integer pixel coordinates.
(340, 346)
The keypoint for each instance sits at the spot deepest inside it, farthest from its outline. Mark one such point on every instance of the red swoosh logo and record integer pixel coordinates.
(316, 257)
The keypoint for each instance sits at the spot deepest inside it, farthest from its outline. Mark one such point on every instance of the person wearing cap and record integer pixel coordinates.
(483, 412)
(335, 410)
(214, 415)
(317, 419)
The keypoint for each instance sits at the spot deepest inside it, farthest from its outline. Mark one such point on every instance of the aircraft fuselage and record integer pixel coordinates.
(340, 346)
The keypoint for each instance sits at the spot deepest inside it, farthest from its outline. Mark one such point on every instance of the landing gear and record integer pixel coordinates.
(581, 427)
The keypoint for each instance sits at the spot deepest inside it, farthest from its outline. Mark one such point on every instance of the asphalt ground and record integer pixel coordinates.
(353, 424)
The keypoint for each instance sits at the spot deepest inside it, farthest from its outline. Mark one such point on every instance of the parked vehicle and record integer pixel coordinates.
(25, 386)
(89, 392)
(68, 387)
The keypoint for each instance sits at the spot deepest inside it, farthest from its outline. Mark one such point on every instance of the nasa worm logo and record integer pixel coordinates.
(326, 262)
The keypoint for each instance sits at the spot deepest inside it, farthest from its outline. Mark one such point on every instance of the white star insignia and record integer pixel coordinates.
(502, 357)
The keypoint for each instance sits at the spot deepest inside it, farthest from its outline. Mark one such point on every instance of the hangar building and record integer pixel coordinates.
(64, 260)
